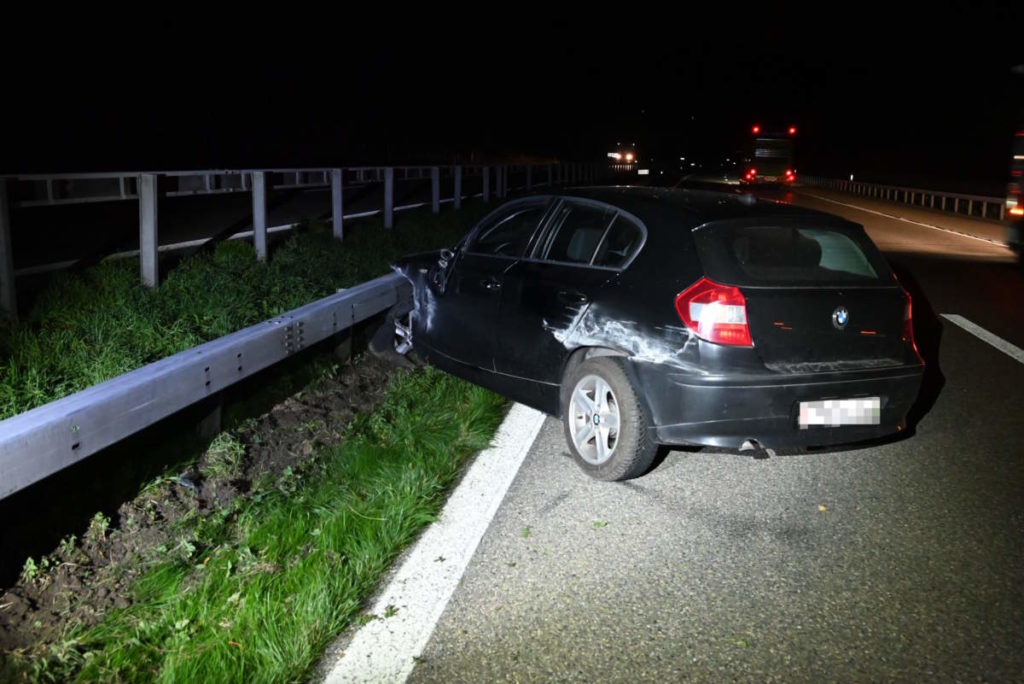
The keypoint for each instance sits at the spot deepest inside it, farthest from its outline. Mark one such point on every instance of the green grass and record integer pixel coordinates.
(91, 326)
(256, 591)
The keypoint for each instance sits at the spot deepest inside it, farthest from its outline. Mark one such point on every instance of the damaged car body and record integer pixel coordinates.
(645, 317)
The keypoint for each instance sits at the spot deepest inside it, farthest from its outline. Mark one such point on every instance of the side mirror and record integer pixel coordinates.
(446, 258)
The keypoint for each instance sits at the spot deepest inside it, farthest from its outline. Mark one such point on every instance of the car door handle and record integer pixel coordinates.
(491, 284)
(571, 297)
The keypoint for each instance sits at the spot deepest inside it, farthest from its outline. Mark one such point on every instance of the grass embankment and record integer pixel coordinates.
(91, 326)
(256, 590)
(251, 588)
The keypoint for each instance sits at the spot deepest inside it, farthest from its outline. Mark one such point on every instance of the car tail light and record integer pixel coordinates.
(716, 313)
(1013, 205)
(908, 325)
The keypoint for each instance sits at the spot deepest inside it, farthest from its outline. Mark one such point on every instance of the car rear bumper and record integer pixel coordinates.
(725, 412)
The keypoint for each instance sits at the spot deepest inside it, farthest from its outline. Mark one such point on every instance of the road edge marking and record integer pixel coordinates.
(1008, 348)
(906, 220)
(384, 649)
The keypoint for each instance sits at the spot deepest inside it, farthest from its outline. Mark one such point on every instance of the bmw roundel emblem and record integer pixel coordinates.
(840, 317)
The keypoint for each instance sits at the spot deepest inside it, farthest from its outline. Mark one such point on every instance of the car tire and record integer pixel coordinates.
(621, 450)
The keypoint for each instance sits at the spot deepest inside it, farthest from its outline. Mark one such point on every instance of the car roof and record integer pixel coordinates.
(651, 204)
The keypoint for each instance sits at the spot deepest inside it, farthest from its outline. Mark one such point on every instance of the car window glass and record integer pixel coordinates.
(619, 245)
(508, 233)
(576, 232)
(768, 255)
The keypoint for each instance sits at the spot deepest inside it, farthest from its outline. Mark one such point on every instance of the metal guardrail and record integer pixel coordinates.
(46, 439)
(974, 206)
(34, 190)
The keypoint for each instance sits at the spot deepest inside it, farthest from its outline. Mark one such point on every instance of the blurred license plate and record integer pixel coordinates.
(838, 412)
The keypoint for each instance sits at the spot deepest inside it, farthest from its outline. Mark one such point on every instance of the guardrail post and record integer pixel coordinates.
(337, 204)
(8, 299)
(487, 183)
(956, 205)
(209, 414)
(148, 262)
(499, 186)
(259, 214)
(435, 189)
(529, 177)
(458, 187)
(970, 207)
(505, 182)
(551, 175)
(389, 198)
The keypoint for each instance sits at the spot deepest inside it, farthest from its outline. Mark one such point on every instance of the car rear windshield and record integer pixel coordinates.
(790, 255)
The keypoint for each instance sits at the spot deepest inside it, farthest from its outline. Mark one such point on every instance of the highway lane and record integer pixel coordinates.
(959, 274)
(896, 561)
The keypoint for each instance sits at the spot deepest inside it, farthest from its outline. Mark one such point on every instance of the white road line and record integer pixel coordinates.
(905, 220)
(1008, 348)
(384, 649)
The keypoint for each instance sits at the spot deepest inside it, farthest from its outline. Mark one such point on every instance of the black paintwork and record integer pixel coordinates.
(515, 325)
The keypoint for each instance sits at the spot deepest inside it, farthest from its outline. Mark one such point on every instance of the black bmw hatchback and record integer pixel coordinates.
(646, 316)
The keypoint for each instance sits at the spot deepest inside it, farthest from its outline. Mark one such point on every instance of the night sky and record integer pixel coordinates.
(880, 93)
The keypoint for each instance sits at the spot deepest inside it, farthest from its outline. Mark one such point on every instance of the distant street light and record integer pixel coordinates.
(851, 176)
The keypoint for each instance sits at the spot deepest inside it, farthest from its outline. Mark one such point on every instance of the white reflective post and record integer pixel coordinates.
(389, 198)
(337, 205)
(435, 189)
(458, 187)
(148, 262)
(259, 214)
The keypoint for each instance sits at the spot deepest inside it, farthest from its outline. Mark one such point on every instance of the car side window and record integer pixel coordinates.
(620, 244)
(509, 232)
(576, 231)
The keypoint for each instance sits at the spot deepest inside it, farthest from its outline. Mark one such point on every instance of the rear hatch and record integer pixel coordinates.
(819, 295)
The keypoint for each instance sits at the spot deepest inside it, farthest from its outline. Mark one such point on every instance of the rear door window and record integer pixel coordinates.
(620, 243)
(576, 231)
(790, 255)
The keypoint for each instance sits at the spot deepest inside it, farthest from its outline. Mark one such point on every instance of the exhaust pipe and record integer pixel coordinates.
(755, 446)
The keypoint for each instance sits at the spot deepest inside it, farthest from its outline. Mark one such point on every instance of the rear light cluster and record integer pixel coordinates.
(751, 174)
(790, 176)
(908, 324)
(716, 313)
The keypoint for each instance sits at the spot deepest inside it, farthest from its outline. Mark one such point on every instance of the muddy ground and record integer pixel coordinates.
(82, 577)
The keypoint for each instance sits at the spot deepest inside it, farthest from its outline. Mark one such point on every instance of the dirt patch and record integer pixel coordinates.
(84, 578)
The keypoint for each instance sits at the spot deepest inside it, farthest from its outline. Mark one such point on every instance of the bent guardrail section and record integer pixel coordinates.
(46, 439)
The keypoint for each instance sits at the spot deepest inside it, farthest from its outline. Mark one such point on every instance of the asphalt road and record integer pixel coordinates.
(898, 561)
